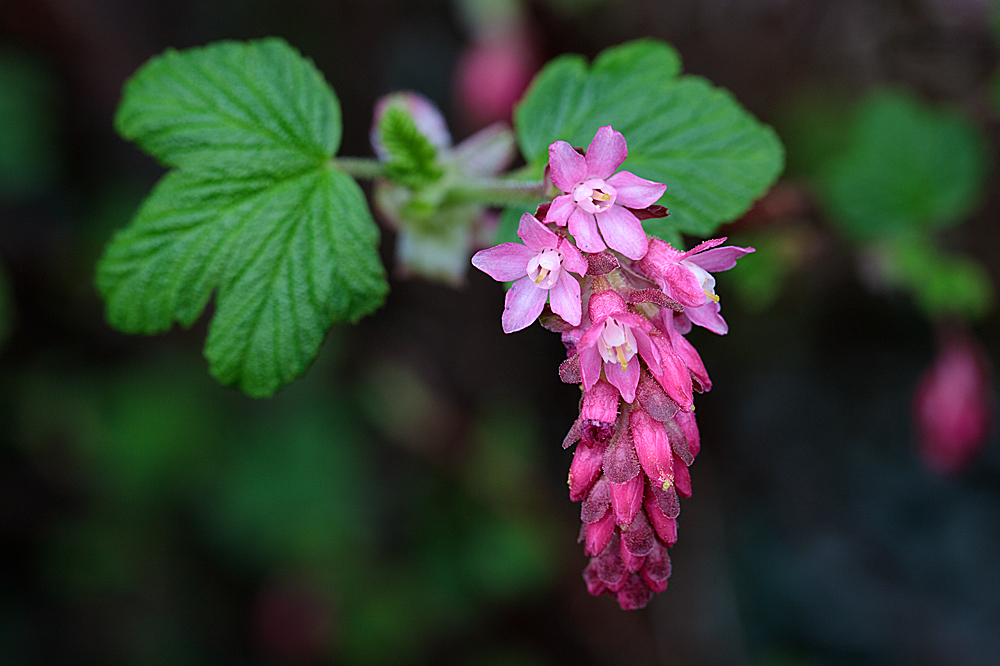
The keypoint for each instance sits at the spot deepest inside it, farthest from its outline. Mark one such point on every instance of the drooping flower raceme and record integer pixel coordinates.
(595, 199)
(636, 434)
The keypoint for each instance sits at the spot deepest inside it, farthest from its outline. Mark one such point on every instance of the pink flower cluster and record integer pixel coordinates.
(623, 303)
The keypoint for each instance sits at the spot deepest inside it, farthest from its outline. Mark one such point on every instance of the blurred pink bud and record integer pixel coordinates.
(492, 75)
(952, 406)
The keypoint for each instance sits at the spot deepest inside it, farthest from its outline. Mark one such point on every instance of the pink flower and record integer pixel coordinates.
(596, 199)
(613, 340)
(541, 268)
(687, 277)
(952, 406)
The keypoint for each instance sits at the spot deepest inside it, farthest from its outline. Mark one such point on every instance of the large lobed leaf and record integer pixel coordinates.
(907, 166)
(713, 155)
(254, 212)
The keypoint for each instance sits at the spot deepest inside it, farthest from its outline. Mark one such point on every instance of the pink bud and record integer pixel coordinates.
(583, 471)
(952, 406)
(600, 403)
(610, 567)
(492, 75)
(656, 569)
(599, 534)
(682, 477)
(689, 426)
(626, 498)
(634, 594)
(631, 562)
(605, 303)
(652, 448)
(666, 528)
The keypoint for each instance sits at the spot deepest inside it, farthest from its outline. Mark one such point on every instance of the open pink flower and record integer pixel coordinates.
(687, 277)
(541, 269)
(596, 199)
(613, 342)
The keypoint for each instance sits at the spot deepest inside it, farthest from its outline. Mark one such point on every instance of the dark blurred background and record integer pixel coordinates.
(405, 501)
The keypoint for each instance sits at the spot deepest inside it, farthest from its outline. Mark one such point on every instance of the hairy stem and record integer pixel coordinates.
(498, 192)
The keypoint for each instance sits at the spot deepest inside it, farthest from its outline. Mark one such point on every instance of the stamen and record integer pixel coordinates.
(600, 196)
(621, 358)
(541, 275)
(713, 297)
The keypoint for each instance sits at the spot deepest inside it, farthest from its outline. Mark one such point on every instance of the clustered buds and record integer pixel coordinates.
(623, 303)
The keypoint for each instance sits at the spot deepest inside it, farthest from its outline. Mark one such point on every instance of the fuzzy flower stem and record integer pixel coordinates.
(498, 191)
(359, 167)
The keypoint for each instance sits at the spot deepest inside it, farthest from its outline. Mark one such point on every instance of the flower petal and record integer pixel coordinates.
(590, 367)
(567, 166)
(573, 261)
(636, 192)
(536, 236)
(505, 262)
(720, 258)
(523, 304)
(707, 316)
(605, 153)
(560, 210)
(624, 380)
(565, 299)
(649, 353)
(583, 226)
(623, 231)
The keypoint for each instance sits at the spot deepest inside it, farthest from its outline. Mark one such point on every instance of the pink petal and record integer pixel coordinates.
(680, 283)
(666, 528)
(536, 236)
(649, 353)
(689, 426)
(590, 366)
(636, 192)
(572, 259)
(623, 231)
(682, 477)
(625, 380)
(565, 299)
(605, 153)
(583, 226)
(674, 377)
(600, 403)
(560, 210)
(626, 498)
(720, 258)
(505, 262)
(692, 359)
(703, 246)
(523, 304)
(707, 316)
(653, 447)
(681, 322)
(583, 471)
(567, 166)
(599, 534)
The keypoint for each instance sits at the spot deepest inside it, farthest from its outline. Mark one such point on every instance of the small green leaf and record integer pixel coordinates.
(413, 161)
(714, 156)
(255, 212)
(907, 166)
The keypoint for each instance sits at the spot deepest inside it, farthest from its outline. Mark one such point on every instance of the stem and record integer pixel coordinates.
(359, 167)
(498, 192)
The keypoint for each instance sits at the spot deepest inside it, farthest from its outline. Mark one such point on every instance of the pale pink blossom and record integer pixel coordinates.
(596, 200)
(541, 269)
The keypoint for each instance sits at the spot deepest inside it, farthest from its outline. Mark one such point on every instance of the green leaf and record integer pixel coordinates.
(243, 108)
(943, 285)
(413, 161)
(714, 156)
(907, 166)
(255, 213)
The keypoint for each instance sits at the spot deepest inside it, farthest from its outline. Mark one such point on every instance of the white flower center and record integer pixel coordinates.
(705, 278)
(544, 268)
(616, 343)
(594, 195)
